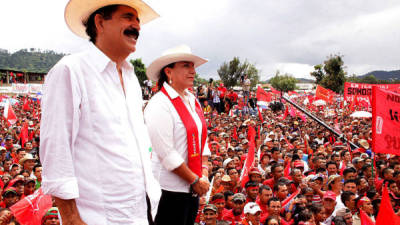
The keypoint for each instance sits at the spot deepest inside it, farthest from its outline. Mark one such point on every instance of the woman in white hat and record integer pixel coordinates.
(178, 133)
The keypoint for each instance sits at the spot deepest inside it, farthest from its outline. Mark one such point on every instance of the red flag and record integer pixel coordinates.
(292, 93)
(324, 94)
(303, 117)
(260, 115)
(292, 112)
(365, 220)
(24, 134)
(288, 199)
(274, 91)
(310, 99)
(386, 213)
(31, 209)
(9, 114)
(385, 121)
(263, 97)
(286, 113)
(286, 172)
(244, 177)
(342, 169)
(251, 134)
(235, 136)
(26, 105)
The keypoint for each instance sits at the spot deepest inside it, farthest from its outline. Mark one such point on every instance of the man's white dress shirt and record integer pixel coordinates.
(94, 143)
(169, 138)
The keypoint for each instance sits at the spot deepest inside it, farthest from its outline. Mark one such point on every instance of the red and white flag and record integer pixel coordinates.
(9, 114)
(263, 97)
(31, 209)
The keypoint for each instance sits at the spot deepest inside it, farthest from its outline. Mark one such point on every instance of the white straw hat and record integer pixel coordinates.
(78, 11)
(177, 54)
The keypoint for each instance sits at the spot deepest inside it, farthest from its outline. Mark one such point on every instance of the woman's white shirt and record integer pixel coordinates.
(169, 138)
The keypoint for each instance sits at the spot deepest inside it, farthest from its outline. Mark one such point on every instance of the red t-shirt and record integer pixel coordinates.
(232, 218)
(233, 96)
(264, 213)
(270, 182)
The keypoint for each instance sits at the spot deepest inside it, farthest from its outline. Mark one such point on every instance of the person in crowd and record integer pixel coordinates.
(51, 217)
(236, 215)
(252, 214)
(329, 203)
(93, 137)
(363, 204)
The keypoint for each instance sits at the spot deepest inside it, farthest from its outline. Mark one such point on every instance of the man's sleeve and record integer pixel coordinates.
(59, 128)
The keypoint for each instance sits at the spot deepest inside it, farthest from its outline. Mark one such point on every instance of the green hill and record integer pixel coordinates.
(384, 75)
(31, 60)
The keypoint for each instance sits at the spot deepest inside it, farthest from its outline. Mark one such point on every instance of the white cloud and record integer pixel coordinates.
(291, 35)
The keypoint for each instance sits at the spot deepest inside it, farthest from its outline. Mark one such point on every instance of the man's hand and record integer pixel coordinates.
(69, 212)
(201, 187)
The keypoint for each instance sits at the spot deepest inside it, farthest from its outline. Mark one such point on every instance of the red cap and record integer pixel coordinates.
(254, 170)
(298, 163)
(357, 150)
(362, 201)
(330, 195)
(15, 180)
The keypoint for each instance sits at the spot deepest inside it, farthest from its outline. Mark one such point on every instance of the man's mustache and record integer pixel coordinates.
(132, 32)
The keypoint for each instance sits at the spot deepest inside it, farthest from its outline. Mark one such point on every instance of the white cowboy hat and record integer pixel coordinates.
(78, 11)
(27, 156)
(177, 54)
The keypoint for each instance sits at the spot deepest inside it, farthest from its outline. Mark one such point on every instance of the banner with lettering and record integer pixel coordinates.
(26, 88)
(363, 92)
(324, 94)
(385, 121)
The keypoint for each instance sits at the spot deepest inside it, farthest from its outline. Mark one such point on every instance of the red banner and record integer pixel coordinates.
(324, 94)
(363, 92)
(385, 121)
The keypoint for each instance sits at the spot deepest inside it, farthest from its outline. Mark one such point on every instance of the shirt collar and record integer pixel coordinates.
(102, 60)
(173, 94)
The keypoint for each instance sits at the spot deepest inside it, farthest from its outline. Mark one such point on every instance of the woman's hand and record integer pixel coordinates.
(201, 187)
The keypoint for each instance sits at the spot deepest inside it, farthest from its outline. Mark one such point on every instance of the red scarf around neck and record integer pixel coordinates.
(194, 149)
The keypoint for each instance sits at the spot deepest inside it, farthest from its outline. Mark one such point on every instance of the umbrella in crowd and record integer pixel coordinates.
(361, 114)
(319, 102)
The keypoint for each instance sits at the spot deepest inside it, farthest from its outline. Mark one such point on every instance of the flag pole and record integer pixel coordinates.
(354, 146)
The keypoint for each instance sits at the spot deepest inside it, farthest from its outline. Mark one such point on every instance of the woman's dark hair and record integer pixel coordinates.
(163, 77)
(106, 12)
(303, 216)
(338, 220)
(272, 218)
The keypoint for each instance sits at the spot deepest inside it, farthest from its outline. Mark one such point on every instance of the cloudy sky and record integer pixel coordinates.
(290, 36)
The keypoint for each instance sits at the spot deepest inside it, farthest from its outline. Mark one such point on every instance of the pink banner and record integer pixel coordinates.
(385, 121)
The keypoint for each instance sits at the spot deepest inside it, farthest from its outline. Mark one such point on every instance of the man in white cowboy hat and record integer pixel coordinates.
(28, 162)
(94, 143)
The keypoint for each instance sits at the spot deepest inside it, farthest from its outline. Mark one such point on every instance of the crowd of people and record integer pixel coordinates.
(302, 173)
(21, 171)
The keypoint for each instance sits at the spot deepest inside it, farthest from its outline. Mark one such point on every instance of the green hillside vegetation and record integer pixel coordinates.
(31, 60)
